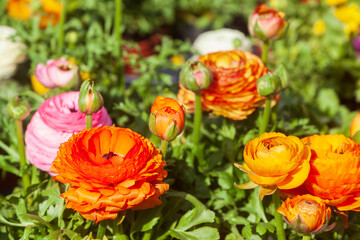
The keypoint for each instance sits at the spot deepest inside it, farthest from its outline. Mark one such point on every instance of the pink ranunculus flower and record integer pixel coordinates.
(55, 121)
(57, 73)
(266, 23)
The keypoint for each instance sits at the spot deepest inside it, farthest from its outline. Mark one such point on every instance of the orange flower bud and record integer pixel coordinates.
(167, 118)
(90, 101)
(266, 23)
(273, 161)
(306, 214)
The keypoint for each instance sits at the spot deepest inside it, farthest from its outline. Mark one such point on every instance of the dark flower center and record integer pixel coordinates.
(109, 155)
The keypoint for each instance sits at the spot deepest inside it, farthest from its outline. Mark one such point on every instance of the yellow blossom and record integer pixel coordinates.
(177, 59)
(37, 86)
(335, 2)
(319, 28)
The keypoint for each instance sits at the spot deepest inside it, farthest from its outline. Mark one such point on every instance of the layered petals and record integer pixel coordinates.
(274, 160)
(306, 214)
(57, 73)
(334, 170)
(232, 93)
(110, 169)
(55, 121)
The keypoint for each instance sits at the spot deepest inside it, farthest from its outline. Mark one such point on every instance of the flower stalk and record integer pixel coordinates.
(118, 54)
(267, 110)
(163, 148)
(197, 119)
(306, 237)
(61, 27)
(23, 164)
(88, 121)
(278, 217)
(266, 116)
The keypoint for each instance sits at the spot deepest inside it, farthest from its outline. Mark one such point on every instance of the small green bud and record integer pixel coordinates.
(71, 37)
(18, 108)
(268, 84)
(195, 76)
(283, 75)
(90, 101)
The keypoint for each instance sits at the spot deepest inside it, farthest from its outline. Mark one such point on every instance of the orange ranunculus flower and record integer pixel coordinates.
(232, 93)
(109, 169)
(266, 23)
(306, 214)
(167, 118)
(273, 161)
(21, 9)
(334, 170)
(355, 125)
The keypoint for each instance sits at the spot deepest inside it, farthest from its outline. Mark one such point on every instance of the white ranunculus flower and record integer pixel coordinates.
(224, 39)
(11, 52)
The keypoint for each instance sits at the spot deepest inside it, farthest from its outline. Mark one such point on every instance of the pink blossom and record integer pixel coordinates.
(57, 73)
(56, 120)
(266, 23)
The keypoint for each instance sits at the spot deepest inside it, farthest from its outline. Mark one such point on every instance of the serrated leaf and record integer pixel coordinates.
(261, 228)
(207, 233)
(147, 219)
(194, 217)
(246, 232)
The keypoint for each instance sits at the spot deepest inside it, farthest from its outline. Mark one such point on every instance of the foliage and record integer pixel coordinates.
(203, 203)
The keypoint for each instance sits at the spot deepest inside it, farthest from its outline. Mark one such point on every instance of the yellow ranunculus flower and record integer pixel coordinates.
(348, 13)
(319, 28)
(37, 86)
(335, 2)
(273, 161)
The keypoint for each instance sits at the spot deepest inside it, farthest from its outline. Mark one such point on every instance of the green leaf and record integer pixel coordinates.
(246, 232)
(147, 219)
(261, 228)
(207, 233)
(3, 220)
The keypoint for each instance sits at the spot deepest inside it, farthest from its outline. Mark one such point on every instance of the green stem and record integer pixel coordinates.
(61, 28)
(88, 121)
(306, 237)
(147, 235)
(266, 116)
(117, 23)
(118, 53)
(101, 230)
(119, 231)
(197, 119)
(163, 147)
(23, 164)
(34, 175)
(264, 53)
(278, 217)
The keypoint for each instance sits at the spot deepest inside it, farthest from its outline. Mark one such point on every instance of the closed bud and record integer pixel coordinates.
(355, 127)
(266, 23)
(268, 84)
(90, 101)
(195, 76)
(167, 118)
(283, 75)
(18, 108)
(307, 214)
